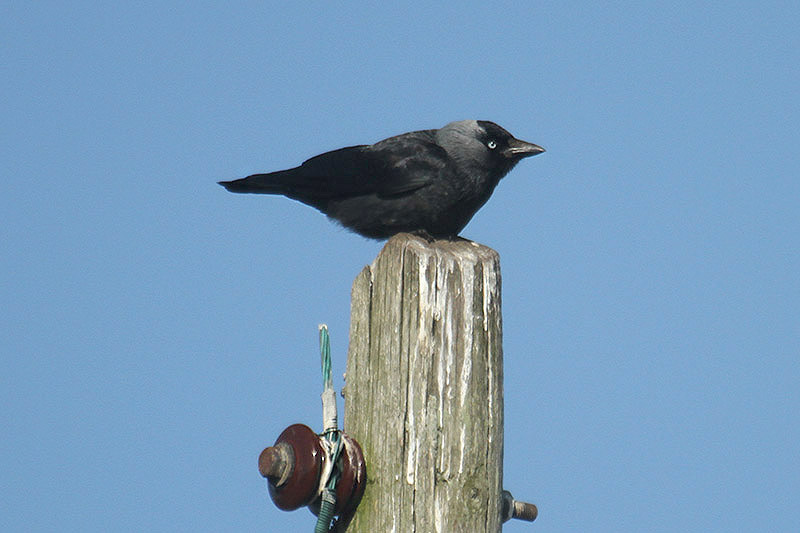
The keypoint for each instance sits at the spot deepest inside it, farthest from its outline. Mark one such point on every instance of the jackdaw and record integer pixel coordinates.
(429, 182)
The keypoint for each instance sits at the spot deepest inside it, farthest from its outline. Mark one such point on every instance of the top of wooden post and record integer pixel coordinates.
(459, 248)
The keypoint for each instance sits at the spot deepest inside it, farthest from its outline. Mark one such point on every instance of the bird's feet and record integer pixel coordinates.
(423, 234)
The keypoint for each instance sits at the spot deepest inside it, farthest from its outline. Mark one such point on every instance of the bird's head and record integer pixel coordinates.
(485, 145)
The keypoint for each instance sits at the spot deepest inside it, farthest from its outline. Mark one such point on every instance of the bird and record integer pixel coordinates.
(429, 182)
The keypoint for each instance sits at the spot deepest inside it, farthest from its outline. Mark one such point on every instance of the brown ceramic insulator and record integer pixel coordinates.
(353, 478)
(300, 487)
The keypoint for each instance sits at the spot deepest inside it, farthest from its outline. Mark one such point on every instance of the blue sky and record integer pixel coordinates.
(157, 332)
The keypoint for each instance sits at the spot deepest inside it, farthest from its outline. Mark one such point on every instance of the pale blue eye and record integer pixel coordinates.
(492, 145)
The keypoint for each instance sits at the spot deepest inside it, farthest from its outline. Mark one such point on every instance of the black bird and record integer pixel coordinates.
(429, 181)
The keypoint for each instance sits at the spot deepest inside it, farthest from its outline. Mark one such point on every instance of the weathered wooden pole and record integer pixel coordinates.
(424, 387)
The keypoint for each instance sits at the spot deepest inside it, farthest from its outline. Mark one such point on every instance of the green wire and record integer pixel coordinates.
(325, 349)
(327, 383)
(328, 504)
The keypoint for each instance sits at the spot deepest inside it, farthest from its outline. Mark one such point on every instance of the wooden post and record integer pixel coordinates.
(424, 387)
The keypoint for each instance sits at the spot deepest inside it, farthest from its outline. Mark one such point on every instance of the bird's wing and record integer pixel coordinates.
(392, 167)
(413, 161)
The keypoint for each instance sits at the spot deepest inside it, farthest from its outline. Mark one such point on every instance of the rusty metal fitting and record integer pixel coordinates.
(276, 463)
(511, 508)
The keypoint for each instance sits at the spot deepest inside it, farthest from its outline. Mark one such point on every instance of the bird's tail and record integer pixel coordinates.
(257, 183)
(285, 182)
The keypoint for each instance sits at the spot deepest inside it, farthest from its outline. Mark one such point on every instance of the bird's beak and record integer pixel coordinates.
(520, 149)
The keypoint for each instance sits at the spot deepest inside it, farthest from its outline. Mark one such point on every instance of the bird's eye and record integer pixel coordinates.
(492, 145)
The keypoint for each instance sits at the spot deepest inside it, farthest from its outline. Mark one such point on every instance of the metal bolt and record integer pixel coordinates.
(276, 463)
(511, 508)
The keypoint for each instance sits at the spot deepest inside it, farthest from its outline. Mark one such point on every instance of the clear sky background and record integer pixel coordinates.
(157, 332)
